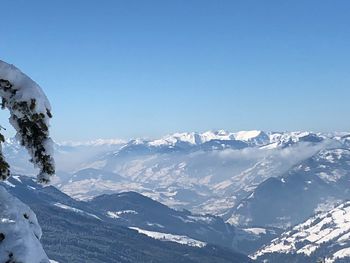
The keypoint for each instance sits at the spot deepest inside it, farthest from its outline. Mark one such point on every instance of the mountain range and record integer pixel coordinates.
(237, 191)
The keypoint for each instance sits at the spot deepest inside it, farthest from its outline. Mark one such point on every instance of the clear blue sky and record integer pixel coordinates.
(122, 69)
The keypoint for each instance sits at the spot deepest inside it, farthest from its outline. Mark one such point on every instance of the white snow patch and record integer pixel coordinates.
(170, 237)
(16, 177)
(256, 230)
(246, 135)
(9, 184)
(118, 214)
(76, 210)
(343, 253)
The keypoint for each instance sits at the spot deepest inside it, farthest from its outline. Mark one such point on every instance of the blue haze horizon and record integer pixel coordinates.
(126, 69)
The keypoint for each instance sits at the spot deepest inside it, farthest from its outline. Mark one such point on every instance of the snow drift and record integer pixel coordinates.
(20, 232)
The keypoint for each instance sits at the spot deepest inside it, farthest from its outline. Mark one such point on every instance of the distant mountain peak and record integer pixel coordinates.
(247, 135)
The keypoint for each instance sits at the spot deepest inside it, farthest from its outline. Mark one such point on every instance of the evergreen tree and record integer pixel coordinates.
(30, 112)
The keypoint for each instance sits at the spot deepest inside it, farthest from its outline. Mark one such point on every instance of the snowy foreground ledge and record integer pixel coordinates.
(19, 232)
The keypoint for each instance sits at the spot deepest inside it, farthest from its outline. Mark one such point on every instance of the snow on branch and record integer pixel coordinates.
(30, 112)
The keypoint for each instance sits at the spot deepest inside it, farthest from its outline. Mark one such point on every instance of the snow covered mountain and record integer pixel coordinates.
(135, 210)
(323, 236)
(206, 172)
(198, 171)
(259, 181)
(120, 212)
(313, 185)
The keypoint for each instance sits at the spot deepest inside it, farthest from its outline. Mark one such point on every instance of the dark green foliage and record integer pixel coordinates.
(71, 238)
(4, 168)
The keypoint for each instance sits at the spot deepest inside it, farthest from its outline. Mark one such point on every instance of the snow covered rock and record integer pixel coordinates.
(19, 232)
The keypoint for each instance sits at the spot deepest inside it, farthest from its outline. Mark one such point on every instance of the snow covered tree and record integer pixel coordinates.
(30, 112)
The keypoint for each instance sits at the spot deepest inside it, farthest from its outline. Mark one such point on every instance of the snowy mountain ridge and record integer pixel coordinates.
(205, 172)
(328, 230)
(310, 186)
(252, 137)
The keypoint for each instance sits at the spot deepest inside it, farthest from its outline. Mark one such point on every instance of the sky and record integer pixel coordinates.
(127, 68)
